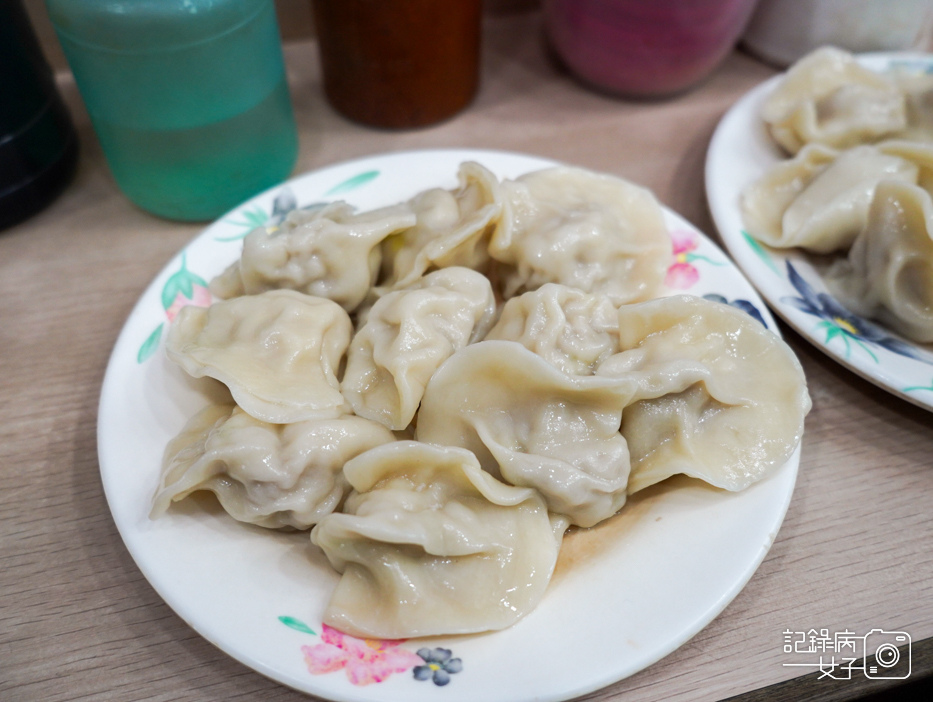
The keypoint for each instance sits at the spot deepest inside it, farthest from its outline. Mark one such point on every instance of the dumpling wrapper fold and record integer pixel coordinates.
(718, 396)
(407, 335)
(451, 229)
(533, 425)
(278, 352)
(592, 231)
(331, 252)
(572, 330)
(828, 98)
(819, 199)
(428, 543)
(889, 272)
(270, 475)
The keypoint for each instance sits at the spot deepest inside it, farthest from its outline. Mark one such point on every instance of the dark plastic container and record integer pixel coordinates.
(38, 145)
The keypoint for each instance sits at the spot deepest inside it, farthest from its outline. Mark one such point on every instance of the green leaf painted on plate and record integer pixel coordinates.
(297, 625)
(182, 282)
(353, 183)
(235, 237)
(760, 251)
(867, 350)
(691, 257)
(150, 345)
(919, 388)
(834, 331)
(252, 219)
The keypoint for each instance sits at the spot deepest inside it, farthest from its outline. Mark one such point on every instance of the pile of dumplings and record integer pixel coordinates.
(857, 184)
(439, 389)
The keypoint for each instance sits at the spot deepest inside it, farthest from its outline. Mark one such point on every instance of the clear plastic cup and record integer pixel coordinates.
(188, 98)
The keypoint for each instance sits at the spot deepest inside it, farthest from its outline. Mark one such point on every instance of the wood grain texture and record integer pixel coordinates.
(79, 622)
(814, 685)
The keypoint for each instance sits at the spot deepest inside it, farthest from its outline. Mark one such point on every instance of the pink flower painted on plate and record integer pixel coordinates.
(365, 661)
(200, 297)
(682, 274)
(181, 289)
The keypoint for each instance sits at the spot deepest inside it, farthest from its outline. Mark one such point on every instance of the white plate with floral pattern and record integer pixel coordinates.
(740, 152)
(624, 595)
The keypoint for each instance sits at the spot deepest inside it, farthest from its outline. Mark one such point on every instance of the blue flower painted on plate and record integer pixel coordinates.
(838, 322)
(438, 665)
(740, 304)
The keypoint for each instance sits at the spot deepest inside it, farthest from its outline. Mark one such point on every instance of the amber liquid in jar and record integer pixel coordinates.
(399, 64)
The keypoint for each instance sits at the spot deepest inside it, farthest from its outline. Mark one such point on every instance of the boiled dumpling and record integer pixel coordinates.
(331, 252)
(819, 199)
(573, 330)
(718, 397)
(547, 416)
(451, 229)
(533, 425)
(828, 98)
(408, 333)
(591, 231)
(889, 272)
(429, 544)
(918, 93)
(919, 153)
(271, 475)
(279, 352)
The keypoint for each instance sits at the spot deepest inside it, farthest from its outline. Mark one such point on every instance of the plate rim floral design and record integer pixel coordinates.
(740, 151)
(611, 620)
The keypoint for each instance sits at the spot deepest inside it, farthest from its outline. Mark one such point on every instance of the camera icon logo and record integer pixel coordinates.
(887, 654)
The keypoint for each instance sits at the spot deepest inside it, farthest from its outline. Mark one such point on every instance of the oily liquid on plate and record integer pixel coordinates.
(583, 545)
(158, 168)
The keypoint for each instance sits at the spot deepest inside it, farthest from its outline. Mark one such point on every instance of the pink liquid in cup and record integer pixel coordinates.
(644, 48)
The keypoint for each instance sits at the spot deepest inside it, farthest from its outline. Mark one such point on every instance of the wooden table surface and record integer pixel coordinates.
(79, 622)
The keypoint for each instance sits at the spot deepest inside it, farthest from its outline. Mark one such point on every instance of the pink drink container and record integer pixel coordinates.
(644, 48)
